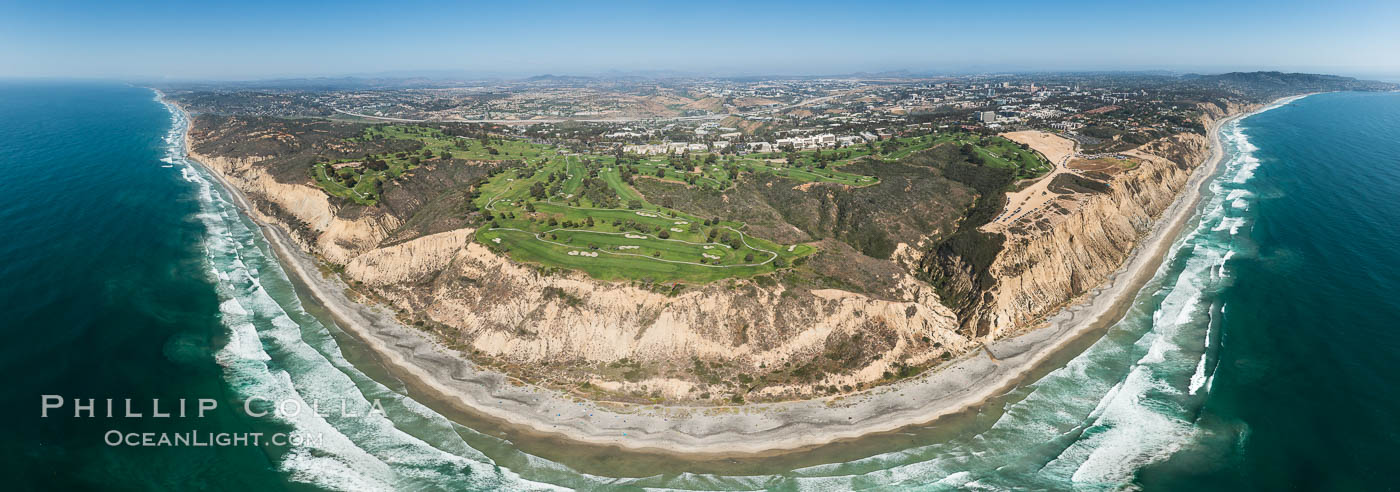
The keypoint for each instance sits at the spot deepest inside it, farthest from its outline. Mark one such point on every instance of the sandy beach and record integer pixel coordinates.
(754, 429)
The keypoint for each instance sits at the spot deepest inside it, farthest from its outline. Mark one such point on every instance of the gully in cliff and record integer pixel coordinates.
(961, 383)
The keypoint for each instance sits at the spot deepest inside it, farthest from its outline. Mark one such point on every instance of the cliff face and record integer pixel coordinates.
(524, 317)
(703, 340)
(541, 325)
(1214, 111)
(1079, 236)
(1041, 270)
(303, 210)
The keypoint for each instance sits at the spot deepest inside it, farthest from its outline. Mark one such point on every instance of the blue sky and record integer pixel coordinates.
(258, 39)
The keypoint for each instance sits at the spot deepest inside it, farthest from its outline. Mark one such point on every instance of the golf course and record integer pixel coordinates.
(579, 212)
(559, 209)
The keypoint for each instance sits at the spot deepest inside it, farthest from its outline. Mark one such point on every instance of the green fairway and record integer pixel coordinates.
(1000, 152)
(361, 179)
(719, 172)
(580, 211)
(614, 179)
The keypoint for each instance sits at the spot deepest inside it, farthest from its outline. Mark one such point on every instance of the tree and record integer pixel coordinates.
(664, 234)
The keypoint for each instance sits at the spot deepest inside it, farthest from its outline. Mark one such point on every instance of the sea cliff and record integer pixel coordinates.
(1041, 270)
(423, 361)
(566, 330)
(1055, 254)
(735, 340)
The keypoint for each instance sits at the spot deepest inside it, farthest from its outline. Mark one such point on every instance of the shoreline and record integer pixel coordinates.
(747, 430)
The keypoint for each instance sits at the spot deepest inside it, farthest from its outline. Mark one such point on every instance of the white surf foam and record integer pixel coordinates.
(361, 450)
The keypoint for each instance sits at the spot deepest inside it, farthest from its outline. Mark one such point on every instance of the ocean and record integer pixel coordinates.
(1263, 355)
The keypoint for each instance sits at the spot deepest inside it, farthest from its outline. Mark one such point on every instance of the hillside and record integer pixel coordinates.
(715, 276)
(843, 254)
(1265, 86)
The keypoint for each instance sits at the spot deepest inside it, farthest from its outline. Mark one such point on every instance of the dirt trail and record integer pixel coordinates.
(1020, 204)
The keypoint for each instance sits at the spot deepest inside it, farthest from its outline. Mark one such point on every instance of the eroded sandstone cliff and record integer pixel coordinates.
(751, 338)
(303, 210)
(1075, 241)
(1078, 244)
(698, 342)
(526, 317)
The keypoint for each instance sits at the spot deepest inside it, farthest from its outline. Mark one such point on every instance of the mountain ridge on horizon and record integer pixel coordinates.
(450, 79)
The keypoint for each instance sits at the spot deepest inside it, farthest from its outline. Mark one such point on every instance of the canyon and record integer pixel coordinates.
(732, 340)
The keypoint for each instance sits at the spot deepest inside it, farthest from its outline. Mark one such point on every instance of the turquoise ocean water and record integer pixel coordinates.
(1263, 355)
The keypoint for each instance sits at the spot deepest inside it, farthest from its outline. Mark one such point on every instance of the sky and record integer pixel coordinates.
(288, 38)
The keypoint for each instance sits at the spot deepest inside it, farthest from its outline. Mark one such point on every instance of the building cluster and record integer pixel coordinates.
(670, 116)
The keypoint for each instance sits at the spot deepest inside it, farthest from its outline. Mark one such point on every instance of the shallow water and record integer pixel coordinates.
(1260, 355)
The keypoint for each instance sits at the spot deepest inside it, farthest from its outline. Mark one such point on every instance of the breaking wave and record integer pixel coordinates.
(1128, 400)
(277, 352)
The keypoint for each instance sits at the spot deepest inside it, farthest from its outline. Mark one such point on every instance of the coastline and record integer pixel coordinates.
(755, 429)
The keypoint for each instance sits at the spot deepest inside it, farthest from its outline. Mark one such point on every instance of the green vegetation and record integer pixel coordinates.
(441, 144)
(362, 179)
(1065, 183)
(1104, 164)
(582, 212)
(719, 173)
(993, 152)
(991, 166)
(579, 212)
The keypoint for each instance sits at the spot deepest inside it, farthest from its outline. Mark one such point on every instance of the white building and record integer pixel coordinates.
(760, 147)
(809, 142)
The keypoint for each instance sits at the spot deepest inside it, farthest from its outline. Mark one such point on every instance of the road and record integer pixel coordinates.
(537, 121)
(721, 116)
(1036, 196)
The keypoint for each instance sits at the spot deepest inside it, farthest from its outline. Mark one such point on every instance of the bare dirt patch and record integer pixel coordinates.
(1107, 165)
(1052, 146)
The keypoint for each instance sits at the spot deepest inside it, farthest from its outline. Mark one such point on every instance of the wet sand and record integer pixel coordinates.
(747, 430)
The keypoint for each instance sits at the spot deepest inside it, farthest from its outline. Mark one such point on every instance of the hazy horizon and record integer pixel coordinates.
(265, 40)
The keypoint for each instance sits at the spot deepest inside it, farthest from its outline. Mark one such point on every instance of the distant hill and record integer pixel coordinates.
(549, 77)
(1266, 85)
